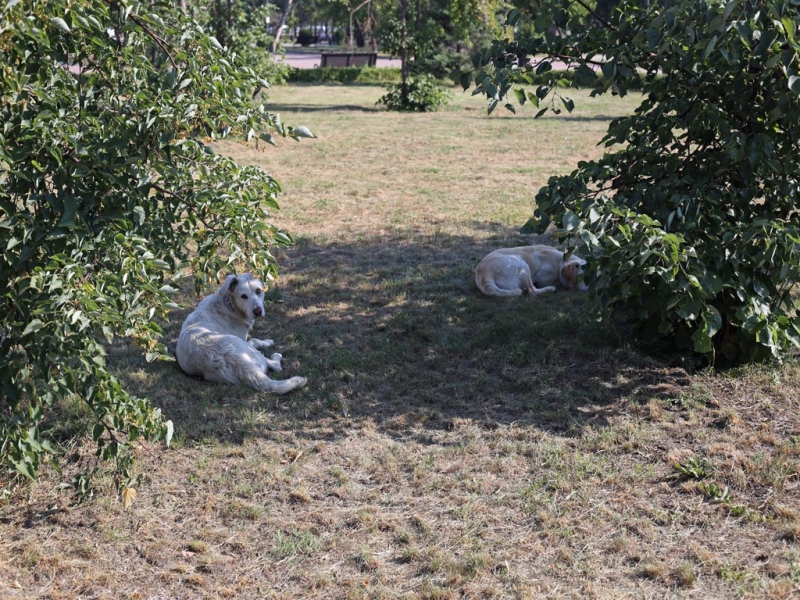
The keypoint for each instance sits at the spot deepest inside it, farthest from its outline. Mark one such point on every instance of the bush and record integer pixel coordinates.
(691, 223)
(422, 94)
(344, 75)
(306, 38)
(106, 183)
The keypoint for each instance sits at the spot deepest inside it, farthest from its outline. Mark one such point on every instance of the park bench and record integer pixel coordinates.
(349, 59)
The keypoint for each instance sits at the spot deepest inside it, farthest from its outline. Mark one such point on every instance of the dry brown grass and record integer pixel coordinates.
(448, 445)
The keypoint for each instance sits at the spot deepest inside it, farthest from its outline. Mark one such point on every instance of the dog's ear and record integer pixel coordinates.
(569, 273)
(233, 281)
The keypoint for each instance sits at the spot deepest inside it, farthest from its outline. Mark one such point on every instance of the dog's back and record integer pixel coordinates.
(502, 275)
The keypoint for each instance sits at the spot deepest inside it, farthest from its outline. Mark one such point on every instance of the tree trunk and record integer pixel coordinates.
(279, 31)
(373, 39)
(359, 34)
(404, 52)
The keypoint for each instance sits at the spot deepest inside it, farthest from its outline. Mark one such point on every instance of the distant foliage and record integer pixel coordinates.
(240, 26)
(423, 94)
(692, 219)
(439, 33)
(108, 189)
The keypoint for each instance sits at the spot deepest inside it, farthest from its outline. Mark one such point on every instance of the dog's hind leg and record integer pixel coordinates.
(530, 287)
(274, 362)
(261, 382)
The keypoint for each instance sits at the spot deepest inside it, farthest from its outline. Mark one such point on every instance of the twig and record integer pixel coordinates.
(600, 19)
(161, 43)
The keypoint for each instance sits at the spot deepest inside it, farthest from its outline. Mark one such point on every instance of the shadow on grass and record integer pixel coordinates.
(392, 333)
(301, 108)
(548, 116)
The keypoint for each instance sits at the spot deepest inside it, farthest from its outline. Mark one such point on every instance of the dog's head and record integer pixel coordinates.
(571, 272)
(245, 294)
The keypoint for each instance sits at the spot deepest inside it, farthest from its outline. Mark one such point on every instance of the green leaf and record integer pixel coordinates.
(570, 221)
(712, 321)
(60, 24)
(702, 342)
(303, 132)
(170, 430)
(466, 80)
(790, 27)
(25, 468)
(710, 47)
(794, 83)
(70, 208)
(728, 9)
(32, 327)
(139, 215)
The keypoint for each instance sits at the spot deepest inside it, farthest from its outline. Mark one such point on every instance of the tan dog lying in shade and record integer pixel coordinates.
(511, 271)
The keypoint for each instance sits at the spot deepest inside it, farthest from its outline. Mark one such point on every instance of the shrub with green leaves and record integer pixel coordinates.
(691, 218)
(107, 190)
(423, 94)
(361, 75)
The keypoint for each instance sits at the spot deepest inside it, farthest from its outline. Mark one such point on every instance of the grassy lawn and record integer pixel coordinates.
(448, 445)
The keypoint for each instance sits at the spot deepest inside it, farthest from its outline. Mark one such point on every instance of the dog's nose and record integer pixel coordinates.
(257, 311)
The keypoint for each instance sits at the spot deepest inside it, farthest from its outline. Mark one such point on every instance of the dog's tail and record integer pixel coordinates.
(487, 285)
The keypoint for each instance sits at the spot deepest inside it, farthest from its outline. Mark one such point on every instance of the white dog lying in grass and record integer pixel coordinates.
(511, 271)
(213, 341)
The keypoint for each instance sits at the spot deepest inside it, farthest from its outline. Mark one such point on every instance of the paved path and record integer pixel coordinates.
(309, 60)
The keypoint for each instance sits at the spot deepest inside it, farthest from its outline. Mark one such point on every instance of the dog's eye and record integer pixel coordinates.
(259, 292)
(244, 296)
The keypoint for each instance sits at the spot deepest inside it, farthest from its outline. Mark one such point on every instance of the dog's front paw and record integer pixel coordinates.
(261, 344)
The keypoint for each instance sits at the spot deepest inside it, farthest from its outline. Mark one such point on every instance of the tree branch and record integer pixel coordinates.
(600, 19)
(161, 43)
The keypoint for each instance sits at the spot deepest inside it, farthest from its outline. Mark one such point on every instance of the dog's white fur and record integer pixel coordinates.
(213, 340)
(512, 271)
